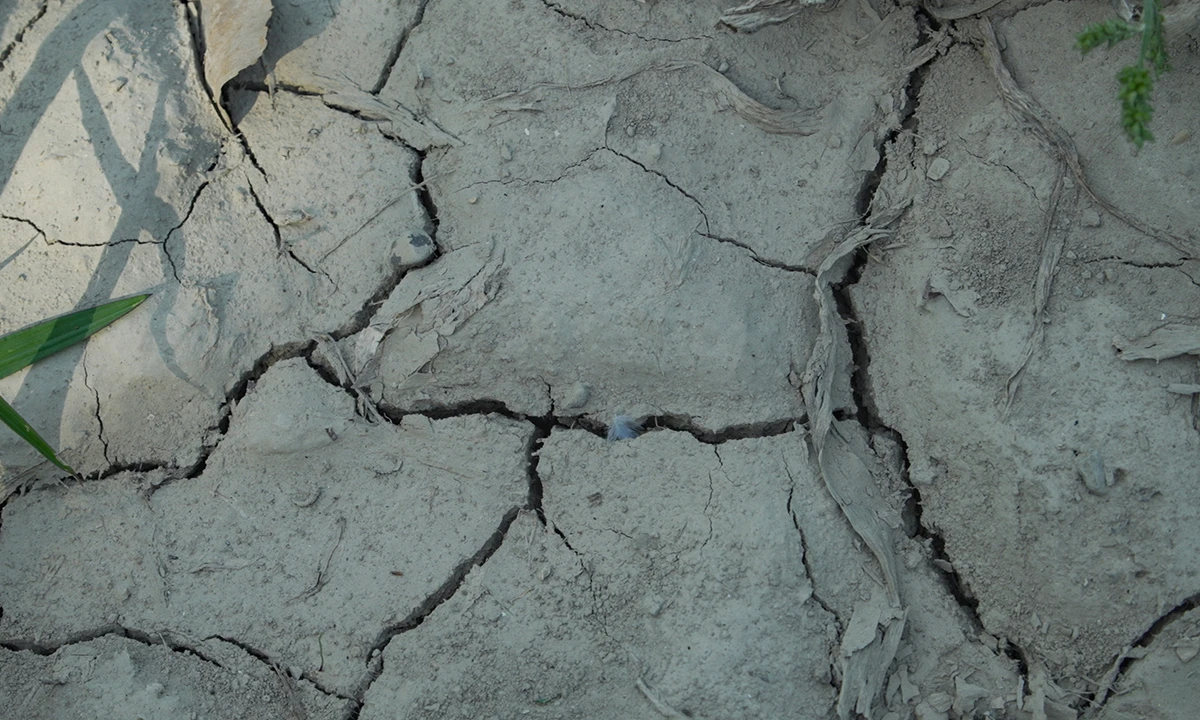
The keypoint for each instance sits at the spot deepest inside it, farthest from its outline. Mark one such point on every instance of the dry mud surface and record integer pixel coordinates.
(919, 387)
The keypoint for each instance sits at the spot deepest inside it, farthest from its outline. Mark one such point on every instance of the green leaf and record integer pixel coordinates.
(1110, 32)
(11, 418)
(24, 347)
(1136, 87)
(1136, 81)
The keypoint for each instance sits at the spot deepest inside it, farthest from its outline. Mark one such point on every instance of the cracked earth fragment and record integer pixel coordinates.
(564, 280)
(316, 46)
(209, 241)
(600, 274)
(569, 105)
(706, 629)
(191, 558)
(668, 25)
(155, 682)
(1022, 528)
(115, 174)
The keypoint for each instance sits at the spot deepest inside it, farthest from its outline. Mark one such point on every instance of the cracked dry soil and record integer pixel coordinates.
(349, 460)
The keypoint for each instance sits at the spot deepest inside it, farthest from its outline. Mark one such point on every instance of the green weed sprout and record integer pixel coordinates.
(24, 347)
(1136, 81)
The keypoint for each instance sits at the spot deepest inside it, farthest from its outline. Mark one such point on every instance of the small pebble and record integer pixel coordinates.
(1077, 291)
(940, 701)
(629, 130)
(652, 152)
(1091, 470)
(505, 153)
(577, 396)
(1087, 275)
(1071, 255)
(412, 248)
(1090, 218)
(723, 67)
(938, 168)
(1108, 274)
(939, 227)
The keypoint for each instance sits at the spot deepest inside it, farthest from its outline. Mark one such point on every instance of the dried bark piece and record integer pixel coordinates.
(752, 15)
(1168, 341)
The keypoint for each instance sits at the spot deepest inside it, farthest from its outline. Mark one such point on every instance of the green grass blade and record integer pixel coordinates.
(1152, 50)
(13, 419)
(24, 347)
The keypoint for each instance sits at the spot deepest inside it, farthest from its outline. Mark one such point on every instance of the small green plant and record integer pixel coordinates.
(24, 347)
(1136, 81)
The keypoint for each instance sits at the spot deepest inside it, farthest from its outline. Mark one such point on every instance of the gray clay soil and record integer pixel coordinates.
(919, 387)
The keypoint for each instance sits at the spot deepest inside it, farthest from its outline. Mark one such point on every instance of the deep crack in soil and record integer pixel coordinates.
(863, 394)
(398, 48)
